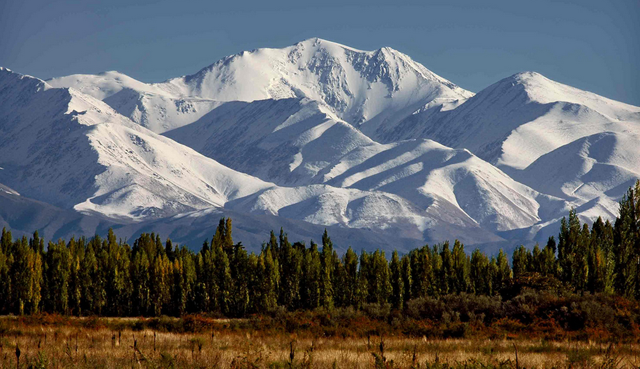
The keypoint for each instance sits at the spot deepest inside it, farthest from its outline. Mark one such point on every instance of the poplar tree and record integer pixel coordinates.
(351, 281)
(407, 280)
(379, 278)
(627, 244)
(141, 281)
(269, 280)
(161, 274)
(460, 266)
(447, 273)
(364, 285)
(57, 276)
(422, 276)
(6, 260)
(502, 272)
(481, 283)
(290, 271)
(397, 282)
(310, 286)
(326, 285)
(521, 261)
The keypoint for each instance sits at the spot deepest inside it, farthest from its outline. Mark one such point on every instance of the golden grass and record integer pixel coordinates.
(65, 346)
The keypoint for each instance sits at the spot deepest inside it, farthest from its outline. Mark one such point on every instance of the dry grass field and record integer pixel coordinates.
(91, 344)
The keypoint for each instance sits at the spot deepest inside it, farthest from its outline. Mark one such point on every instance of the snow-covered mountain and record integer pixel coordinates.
(318, 134)
(518, 119)
(73, 151)
(23, 215)
(557, 139)
(356, 85)
(149, 105)
(288, 141)
(293, 142)
(595, 170)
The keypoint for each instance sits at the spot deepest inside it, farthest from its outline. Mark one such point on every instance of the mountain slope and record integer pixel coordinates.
(149, 105)
(23, 216)
(428, 174)
(287, 141)
(119, 168)
(516, 120)
(601, 166)
(294, 142)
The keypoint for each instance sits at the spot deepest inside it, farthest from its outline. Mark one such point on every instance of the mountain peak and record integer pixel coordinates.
(25, 81)
(317, 42)
(543, 90)
(356, 85)
(527, 75)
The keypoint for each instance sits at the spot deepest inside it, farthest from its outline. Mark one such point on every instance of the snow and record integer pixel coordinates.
(126, 172)
(120, 169)
(355, 85)
(296, 143)
(602, 165)
(318, 134)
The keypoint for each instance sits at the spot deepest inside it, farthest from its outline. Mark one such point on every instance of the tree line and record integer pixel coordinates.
(104, 276)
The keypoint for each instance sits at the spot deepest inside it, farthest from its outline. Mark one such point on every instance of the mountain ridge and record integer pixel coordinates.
(328, 134)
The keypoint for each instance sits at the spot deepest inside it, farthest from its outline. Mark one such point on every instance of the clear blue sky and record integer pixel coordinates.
(592, 45)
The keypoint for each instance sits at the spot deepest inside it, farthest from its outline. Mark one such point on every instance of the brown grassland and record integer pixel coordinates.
(51, 341)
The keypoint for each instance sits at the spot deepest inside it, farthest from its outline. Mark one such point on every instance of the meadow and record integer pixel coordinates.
(65, 342)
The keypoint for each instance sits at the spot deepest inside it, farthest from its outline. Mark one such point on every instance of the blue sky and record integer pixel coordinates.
(592, 45)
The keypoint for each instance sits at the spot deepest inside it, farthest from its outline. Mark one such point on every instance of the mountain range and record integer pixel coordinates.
(369, 144)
